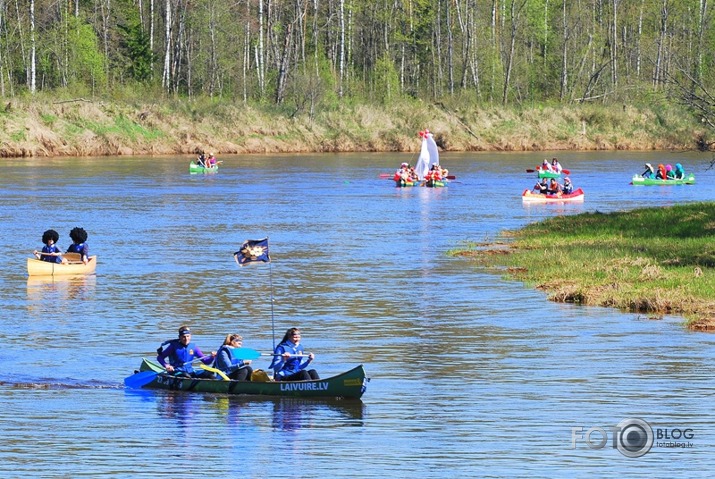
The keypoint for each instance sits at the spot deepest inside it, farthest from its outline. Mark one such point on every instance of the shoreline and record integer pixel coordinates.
(634, 261)
(94, 128)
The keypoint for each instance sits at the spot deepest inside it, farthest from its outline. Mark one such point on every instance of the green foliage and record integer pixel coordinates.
(48, 119)
(386, 80)
(86, 60)
(136, 45)
(18, 136)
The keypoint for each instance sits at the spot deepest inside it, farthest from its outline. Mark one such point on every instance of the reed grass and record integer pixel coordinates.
(655, 261)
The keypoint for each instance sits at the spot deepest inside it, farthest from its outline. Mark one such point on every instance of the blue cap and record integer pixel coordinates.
(184, 332)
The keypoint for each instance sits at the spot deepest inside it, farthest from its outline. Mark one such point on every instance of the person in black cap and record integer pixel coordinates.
(181, 352)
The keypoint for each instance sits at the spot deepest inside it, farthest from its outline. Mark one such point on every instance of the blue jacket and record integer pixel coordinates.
(81, 248)
(225, 360)
(51, 259)
(283, 368)
(180, 356)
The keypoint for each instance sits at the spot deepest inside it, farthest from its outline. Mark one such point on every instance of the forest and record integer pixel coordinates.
(652, 60)
(316, 52)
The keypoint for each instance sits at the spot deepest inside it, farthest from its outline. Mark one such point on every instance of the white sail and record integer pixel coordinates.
(429, 155)
(423, 163)
(433, 152)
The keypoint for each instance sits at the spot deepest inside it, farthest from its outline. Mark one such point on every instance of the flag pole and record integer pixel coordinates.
(273, 325)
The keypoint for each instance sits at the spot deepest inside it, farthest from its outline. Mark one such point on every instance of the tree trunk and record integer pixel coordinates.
(33, 48)
(342, 48)
(564, 83)
(166, 75)
(284, 65)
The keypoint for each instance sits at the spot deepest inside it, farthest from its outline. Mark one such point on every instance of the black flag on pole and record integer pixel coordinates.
(252, 251)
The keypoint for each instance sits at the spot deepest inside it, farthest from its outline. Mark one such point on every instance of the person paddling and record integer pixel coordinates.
(234, 368)
(180, 352)
(288, 364)
(50, 252)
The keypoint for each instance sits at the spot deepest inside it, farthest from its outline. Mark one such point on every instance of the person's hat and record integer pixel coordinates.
(567, 179)
(404, 164)
(649, 166)
(184, 332)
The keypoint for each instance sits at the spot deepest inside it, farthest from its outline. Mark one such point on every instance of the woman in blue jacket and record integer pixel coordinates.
(234, 368)
(288, 364)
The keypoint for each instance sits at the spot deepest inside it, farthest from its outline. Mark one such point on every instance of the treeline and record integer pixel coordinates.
(312, 53)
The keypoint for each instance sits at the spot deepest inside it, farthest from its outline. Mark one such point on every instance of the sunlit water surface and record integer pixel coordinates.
(471, 375)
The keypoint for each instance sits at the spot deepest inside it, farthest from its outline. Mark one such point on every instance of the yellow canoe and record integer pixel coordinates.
(36, 267)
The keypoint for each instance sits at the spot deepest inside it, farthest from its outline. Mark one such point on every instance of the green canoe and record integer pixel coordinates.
(548, 174)
(639, 180)
(350, 384)
(194, 168)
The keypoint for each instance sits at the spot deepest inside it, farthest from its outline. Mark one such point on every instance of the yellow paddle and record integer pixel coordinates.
(215, 371)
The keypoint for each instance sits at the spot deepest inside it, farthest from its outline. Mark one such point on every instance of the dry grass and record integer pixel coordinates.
(47, 126)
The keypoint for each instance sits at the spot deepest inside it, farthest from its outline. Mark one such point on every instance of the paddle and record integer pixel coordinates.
(245, 354)
(215, 371)
(143, 378)
(136, 381)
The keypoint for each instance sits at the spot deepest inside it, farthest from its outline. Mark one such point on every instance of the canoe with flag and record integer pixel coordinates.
(348, 385)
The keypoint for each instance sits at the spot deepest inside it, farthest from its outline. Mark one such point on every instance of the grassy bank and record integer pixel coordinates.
(70, 126)
(654, 261)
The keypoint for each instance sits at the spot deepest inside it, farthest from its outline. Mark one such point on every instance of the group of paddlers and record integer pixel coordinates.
(664, 172)
(552, 187)
(206, 161)
(406, 175)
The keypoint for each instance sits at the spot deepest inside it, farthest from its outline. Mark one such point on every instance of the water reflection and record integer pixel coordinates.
(62, 288)
(246, 412)
(290, 414)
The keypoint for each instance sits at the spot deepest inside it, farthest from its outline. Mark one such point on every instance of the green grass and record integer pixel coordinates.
(123, 127)
(655, 260)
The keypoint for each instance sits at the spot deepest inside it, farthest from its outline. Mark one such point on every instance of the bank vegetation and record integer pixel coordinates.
(99, 77)
(653, 261)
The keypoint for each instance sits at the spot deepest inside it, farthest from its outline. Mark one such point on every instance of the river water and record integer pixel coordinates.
(471, 375)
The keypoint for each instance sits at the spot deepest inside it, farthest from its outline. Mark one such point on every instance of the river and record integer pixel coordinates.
(471, 375)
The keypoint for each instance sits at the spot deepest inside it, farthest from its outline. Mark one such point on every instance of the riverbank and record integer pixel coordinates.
(654, 261)
(44, 126)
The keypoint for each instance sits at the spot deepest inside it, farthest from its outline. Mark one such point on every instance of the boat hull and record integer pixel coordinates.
(436, 184)
(194, 168)
(36, 267)
(406, 184)
(638, 180)
(350, 384)
(548, 174)
(529, 197)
